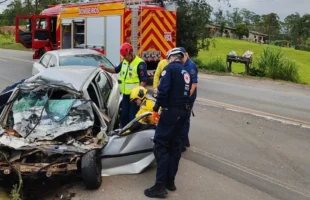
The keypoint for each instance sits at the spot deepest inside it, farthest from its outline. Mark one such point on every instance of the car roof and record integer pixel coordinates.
(72, 76)
(70, 52)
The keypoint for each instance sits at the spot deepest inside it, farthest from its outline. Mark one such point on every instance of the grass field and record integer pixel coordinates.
(222, 48)
(8, 42)
(225, 45)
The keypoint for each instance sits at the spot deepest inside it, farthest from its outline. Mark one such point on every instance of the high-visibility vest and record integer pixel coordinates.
(129, 76)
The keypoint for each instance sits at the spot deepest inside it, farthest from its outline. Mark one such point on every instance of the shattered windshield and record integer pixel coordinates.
(48, 117)
(85, 60)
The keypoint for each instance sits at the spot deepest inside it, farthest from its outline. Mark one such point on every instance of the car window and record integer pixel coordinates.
(92, 92)
(85, 60)
(104, 87)
(46, 58)
(53, 61)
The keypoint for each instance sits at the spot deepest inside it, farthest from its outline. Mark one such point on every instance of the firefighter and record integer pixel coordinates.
(146, 102)
(160, 67)
(173, 98)
(133, 72)
(191, 68)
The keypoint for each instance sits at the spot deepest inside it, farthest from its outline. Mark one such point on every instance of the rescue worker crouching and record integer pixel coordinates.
(133, 72)
(173, 98)
(146, 102)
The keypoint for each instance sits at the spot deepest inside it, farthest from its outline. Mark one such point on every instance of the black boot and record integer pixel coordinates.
(157, 191)
(171, 186)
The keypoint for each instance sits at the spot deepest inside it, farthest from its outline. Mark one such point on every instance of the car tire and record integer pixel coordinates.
(91, 170)
(41, 52)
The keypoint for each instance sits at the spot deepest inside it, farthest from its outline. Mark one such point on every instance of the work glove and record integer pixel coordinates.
(155, 117)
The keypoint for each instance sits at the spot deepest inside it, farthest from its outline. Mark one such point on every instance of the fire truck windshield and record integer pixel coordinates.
(85, 60)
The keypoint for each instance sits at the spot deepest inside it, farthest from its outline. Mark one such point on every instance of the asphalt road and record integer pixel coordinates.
(248, 141)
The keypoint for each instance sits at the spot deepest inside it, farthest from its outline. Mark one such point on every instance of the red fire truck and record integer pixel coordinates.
(149, 26)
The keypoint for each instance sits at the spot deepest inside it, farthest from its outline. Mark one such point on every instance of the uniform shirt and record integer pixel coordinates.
(142, 70)
(174, 86)
(146, 106)
(160, 67)
(191, 68)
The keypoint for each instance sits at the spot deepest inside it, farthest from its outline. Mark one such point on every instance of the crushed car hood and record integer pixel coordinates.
(56, 117)
(35, 121)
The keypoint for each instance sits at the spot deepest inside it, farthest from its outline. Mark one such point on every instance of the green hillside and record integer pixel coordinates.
(225, 45)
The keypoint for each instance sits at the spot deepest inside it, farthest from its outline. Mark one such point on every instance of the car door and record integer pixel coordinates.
(109, 97)
(42, 64)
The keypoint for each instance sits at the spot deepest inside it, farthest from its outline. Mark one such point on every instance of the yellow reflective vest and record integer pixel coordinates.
(129, 76)
(160, 67)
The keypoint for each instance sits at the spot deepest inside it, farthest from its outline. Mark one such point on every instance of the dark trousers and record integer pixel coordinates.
(129, 110)
(167, 147)
(185, 131)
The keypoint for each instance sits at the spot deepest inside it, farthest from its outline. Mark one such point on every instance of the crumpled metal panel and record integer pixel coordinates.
(68, 76)
(47, 119)
(72, 147)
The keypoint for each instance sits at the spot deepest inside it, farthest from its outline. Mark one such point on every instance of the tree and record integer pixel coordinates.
(271, 24)
(234, 18)
(192, 33)
(219, 17)
(242, 30)
(220, 20)
(247, 16)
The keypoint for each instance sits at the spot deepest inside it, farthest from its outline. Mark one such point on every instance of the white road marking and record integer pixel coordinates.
(3, 60)
(19, 59)
(252, 172)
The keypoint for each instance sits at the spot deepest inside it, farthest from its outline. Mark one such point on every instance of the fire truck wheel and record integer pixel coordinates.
(41, 52)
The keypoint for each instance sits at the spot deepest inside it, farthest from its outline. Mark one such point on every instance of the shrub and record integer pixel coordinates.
(274, 65)
(6, 38)
(217, 64)
(281, 43)
(302, 47)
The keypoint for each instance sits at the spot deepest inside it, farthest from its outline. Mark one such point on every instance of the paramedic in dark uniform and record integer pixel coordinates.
(172, 97)
(133, 72)
(191, 68)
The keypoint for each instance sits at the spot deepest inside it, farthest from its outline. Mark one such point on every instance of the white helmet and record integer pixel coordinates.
(175, 51)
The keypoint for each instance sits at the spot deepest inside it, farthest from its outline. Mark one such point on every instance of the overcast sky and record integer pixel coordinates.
(281, 7)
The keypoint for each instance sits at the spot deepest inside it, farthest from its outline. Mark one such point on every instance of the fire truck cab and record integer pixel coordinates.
(149, 25)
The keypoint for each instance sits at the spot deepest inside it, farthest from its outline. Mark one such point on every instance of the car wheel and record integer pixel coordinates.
(91, 170)
(41, 52)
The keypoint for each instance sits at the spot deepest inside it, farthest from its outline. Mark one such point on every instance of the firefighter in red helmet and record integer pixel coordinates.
(133, 72)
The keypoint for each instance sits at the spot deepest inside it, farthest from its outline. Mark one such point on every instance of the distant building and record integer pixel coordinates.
(229, 32)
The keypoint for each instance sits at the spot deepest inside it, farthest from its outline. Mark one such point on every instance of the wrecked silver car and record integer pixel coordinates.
(57, 122)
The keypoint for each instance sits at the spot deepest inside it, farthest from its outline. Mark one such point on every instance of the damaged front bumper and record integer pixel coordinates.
(49, 157)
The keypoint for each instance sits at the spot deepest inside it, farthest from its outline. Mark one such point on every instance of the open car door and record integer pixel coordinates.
(37, 34)
(128, 154)
(23, 35)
